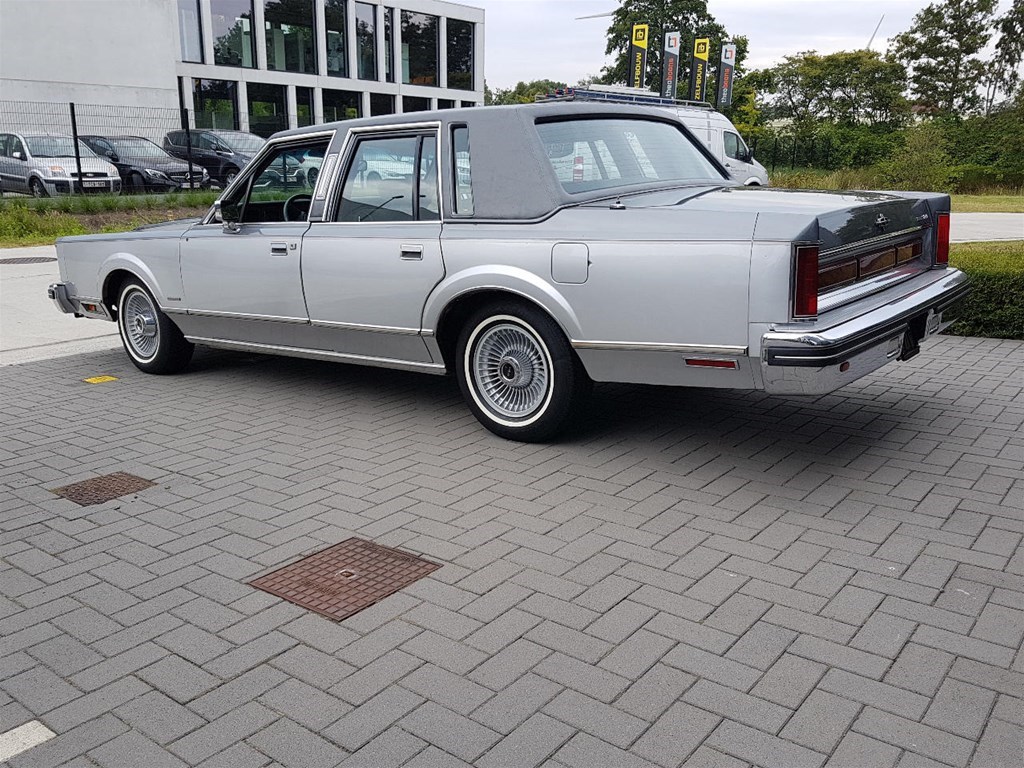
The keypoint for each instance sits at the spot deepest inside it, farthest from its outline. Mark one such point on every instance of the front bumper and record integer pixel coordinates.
(58, 294)
(819, 362)
(65, 186)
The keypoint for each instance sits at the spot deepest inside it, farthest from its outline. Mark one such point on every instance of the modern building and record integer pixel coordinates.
(254, 65)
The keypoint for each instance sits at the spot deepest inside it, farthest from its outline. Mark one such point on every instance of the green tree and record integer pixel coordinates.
(523, 92)
(941, 52)
(846, 88)
(1005, 75)
(690, 17)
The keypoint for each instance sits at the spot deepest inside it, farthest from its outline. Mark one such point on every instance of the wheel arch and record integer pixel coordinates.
(114, 277)
(455, 300)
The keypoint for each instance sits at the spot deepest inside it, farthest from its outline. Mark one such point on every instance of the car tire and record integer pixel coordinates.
(229, 175)
(153, 342)
(136, 184)
(312, 176)
(37, 188)
(518, 374)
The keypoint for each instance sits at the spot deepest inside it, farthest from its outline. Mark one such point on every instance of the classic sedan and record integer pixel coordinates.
(530, 250)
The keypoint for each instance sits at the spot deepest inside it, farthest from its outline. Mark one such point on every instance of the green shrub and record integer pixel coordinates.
(994, 307)
(20, 225)
(923, 164)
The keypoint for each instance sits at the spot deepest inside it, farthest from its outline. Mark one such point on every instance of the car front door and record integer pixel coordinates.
(6, 183)
(736, 157)
(241, 278)
(368, 272)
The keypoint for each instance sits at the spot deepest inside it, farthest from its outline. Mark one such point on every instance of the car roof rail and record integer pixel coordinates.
(617, 94)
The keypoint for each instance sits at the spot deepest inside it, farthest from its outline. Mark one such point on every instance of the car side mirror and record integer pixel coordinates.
(112, 155)
(224, 216)
(18, 155)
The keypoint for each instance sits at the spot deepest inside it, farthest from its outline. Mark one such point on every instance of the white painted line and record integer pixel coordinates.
(24, 737)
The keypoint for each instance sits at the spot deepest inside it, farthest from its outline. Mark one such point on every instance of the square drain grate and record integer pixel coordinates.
(342, 580)
(97, 490)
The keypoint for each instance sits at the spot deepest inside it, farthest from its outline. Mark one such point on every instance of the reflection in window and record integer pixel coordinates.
(232, 33)
(446, 103)
(287, 172)
(382, 104)
(303, 106)
(291, 44)
(190, 31)
(366, 41)
(467, 103)
(337, 58)
(389, 44)
(381, 181)
(415, 104)
(268, 112)
(419, 48)
(463, 177)
(460, 54)
(340, 105)
(429, 201)
(215, 104)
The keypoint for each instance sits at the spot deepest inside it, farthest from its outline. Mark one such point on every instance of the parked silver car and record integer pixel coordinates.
(494, 255)
(43, 164)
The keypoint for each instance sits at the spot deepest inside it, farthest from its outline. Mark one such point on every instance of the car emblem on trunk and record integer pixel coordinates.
(881, 221)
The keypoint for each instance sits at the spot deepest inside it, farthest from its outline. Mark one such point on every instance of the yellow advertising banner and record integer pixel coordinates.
(638, 55)
(699, 68)
(700, 48)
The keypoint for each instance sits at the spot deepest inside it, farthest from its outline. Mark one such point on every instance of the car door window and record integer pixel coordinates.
(281, 187)
(4, 145)
(392, 179)
(733, 145)
(15, 145)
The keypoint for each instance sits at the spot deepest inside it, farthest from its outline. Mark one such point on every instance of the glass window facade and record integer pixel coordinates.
(190, 31)
(389, 44)
(415, 104)
(304, 113)
(232, 33)
(341, 105)
(216, 104)
(446, 103)
(337, 31)
(366, 40)
(268, 110)
(460, 54)
(291, 42)
(381, 104)
(419, 48)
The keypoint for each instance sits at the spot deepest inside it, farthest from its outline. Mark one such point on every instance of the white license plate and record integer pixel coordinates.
(94, 183)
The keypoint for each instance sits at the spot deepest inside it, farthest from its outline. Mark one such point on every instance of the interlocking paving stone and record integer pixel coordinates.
(722, 578)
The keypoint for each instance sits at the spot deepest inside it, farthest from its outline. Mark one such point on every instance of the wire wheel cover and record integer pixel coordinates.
(511, 370)
(138, 318)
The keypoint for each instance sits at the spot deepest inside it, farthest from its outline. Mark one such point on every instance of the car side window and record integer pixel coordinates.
(391, 179)
(732, 145)
(15, 145)
(4, 145)
(281, 188)
(463, 203)
(176, 138)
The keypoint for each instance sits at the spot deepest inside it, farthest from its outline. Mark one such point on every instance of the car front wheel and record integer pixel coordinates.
(37, 188)
(152, 341)
(518, 374)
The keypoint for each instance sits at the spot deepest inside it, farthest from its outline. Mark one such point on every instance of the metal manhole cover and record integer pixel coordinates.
(343, 579)
(27, 260)
(97, 490)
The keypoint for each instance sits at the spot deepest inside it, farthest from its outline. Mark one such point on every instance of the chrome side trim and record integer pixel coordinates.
(245, 316)
(320, 354)
(368, 328)
(636, 346)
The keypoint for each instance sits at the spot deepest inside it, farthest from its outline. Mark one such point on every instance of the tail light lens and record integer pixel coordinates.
(942, 239)
(805, 289)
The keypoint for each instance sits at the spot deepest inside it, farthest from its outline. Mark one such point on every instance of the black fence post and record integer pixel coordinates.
(796, 145)
(78, 154)
(775, 152)
(828, 148)
(188, 146)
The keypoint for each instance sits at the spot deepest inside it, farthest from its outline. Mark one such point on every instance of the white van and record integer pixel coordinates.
(711, 127)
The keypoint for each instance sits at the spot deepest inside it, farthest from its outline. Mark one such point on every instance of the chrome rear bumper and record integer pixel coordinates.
(818, 362)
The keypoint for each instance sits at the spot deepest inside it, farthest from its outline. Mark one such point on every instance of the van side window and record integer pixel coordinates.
(732, 145)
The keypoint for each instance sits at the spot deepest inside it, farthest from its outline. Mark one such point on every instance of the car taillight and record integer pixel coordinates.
(942, 239)
(805, 289)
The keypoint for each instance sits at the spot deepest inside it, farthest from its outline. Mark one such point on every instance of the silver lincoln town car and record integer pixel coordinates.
(531, 250)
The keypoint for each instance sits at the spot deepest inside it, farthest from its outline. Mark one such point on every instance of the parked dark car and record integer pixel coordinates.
(144, 167)
(222, 153)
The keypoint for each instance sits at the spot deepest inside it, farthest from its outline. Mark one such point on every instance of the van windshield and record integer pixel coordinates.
(592, 154)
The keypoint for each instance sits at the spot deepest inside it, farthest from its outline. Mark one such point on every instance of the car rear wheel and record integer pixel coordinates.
(136, 184)
(312, 175)
(37, 188)
(230, 174)
(518, 374)
(152, 341)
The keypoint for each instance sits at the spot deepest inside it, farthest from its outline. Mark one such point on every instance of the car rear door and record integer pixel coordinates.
(368, 271)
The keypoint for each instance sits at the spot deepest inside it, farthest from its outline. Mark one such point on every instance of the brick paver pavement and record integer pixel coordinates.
(697, 577)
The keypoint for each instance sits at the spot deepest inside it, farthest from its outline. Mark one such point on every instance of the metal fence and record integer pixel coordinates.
(794, 152)
(73, 120)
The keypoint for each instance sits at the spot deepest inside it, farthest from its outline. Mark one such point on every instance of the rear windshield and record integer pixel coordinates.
(604, 153)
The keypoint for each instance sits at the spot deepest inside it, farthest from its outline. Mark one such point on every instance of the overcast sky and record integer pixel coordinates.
(534, 39)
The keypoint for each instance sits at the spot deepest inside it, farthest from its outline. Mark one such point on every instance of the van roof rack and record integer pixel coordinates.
(619, 94)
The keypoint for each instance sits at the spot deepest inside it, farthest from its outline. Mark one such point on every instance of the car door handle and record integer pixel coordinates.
(412, 252)
(279, 249)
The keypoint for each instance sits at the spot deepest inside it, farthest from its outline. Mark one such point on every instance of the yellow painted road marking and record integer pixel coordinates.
(22, 738)
(99, 379)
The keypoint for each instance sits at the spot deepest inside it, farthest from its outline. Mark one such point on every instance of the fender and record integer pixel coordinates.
(131, 263)
(513, 280)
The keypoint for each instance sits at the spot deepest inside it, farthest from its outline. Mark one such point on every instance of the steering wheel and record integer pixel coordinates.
(292, 209)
